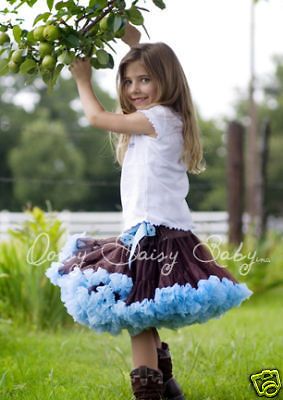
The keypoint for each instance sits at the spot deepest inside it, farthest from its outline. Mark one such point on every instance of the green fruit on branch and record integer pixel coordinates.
(51, 33)
(102, 57)
(48, 63)
(45, 49)
(4, 38)
(103, 24)
(13, 67)
(17, 57)
(66, 30)
(38, 33)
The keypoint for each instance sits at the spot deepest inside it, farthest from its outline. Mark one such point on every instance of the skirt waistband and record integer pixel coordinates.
(133, 236)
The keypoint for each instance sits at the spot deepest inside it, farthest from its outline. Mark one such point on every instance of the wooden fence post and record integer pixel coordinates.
(264, 153)
(235, 173)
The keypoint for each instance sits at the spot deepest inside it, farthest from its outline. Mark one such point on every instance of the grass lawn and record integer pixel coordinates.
(213, 361)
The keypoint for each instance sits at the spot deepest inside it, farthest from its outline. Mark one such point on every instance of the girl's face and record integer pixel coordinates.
(140, 89)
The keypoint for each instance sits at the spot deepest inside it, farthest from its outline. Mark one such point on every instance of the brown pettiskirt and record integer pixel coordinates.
(172, 281)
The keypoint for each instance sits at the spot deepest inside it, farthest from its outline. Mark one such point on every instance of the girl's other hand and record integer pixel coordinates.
(81, 69)
(132, 35)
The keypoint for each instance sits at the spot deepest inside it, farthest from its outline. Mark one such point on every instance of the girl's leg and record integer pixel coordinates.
(144, 349)
(157, 338)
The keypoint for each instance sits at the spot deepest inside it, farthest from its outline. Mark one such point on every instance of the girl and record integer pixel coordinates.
(156, 273)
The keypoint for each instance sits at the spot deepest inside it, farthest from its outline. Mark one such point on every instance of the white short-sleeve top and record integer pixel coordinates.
(154, 182)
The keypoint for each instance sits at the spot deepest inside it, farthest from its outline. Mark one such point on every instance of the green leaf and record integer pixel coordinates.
(102, 56)
(101, 3)
(30, 38)
(46, 76)
(60, 5)
(3, 51)
(66, 58)
(114, 22)
(98, 42)
(72, 40)
(117, 23)
(110, 62)
(17, 32)
(159, 3)
(50, 4)
(97, 4)
(42, 17)
(135, 16)
(69, 5)
(121, 4)
(30, 2)
(27, 66)
(3, 67)
(57, 72)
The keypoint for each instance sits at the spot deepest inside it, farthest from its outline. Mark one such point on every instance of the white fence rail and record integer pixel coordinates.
(108, 224)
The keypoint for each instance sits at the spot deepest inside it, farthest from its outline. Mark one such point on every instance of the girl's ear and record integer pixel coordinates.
(132, 35)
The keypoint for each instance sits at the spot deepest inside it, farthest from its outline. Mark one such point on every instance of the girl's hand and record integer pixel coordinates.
(132, 35)
(81, 70)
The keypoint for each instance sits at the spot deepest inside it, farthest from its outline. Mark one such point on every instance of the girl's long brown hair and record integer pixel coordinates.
(173, 90)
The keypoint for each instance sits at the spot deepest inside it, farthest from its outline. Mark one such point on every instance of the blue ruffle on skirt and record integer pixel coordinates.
(105, 309)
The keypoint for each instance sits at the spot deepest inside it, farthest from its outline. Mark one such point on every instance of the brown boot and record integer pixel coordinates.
(147, 383)
(172, 390)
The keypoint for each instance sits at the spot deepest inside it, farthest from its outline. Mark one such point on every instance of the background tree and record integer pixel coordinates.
(100, 178)
(208, 191)
(47, 166)
(270, 107)
(101, 174)
(12, 118)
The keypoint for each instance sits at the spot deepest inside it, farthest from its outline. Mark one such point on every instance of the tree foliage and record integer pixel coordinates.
(12, 118)
(65, 30)
(45, 159)
(97, 187)
(270, 108)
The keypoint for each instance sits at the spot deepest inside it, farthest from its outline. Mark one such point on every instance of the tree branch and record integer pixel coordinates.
(87, 27)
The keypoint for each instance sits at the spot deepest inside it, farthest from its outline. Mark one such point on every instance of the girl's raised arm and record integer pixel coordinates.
(120, 123)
